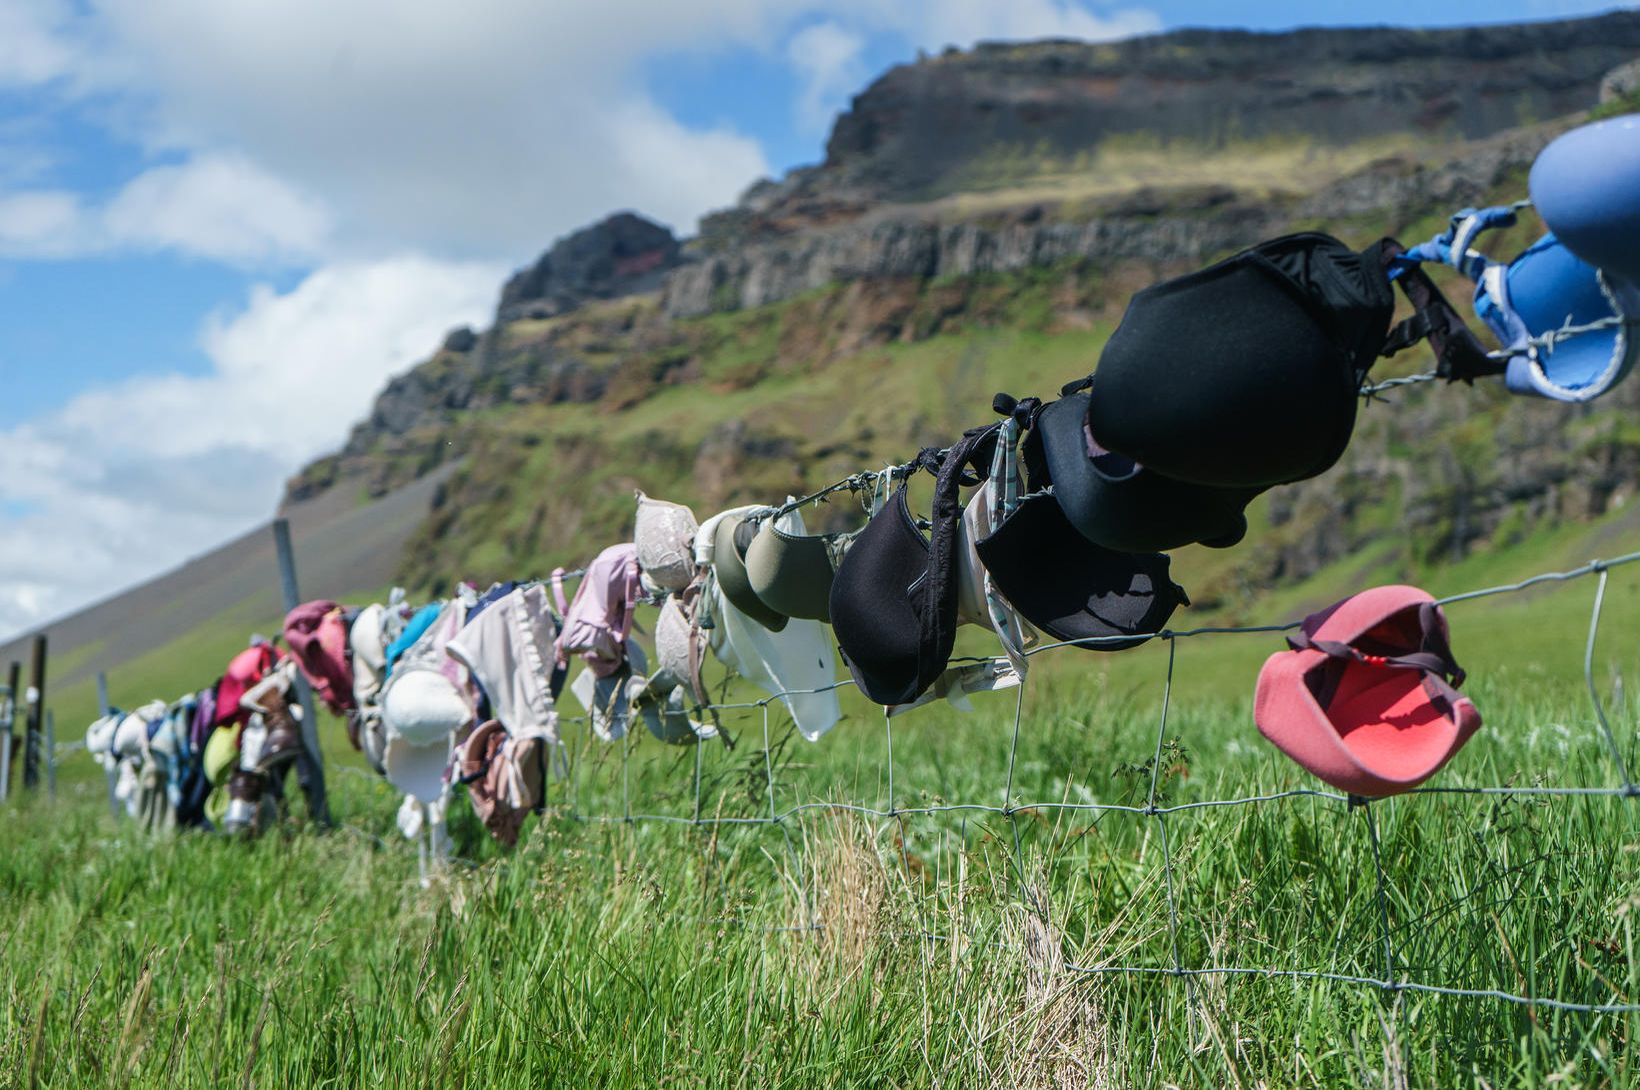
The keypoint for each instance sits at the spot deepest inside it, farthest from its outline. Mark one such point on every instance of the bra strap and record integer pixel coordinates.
(1459, 356)
(1433, 658)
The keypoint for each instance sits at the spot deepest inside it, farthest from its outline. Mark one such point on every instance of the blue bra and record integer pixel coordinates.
(1569, 330)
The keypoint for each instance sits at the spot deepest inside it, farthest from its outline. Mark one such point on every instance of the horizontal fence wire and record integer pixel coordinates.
(1391, 981)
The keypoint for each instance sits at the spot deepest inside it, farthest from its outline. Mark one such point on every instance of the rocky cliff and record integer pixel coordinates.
(1001, 112)
(622, 255)
(622, 357)
(1163, 148)
(1159, 226)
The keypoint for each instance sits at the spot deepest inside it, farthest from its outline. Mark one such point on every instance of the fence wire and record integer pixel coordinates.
(1394, 977)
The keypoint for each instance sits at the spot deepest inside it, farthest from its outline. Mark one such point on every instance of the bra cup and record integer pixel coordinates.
(1138, 510)
(894, 600)
(876, 603)
(1244, 374)
(745, 530)
(664, 534)
(1243, 405)
(791, 574)
(1586, 186)
(1547, 286)
(1072, 589)
(1152, 513)
(730, 566)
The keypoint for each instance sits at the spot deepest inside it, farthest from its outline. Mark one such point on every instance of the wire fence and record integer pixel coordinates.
(1393, 976)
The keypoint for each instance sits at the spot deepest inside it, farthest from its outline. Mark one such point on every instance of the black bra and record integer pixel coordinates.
(1117, 503)
(1071, 588)
(1247, 373)
(894, 598)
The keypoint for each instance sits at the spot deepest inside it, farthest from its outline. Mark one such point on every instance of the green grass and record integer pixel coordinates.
(663, 953)
(666, 953)
(1622, 104)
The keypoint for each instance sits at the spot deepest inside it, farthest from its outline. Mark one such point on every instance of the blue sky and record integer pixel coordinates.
(223, 225)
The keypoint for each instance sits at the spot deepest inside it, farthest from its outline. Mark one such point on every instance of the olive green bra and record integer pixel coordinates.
(730, 542)
(791, 573)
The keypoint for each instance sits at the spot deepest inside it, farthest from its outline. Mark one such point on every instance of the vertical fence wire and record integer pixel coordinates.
(888, 741)
(626, 776)
(768, 767)
(1157, 808)
(1382, 888)
(699, 753)
(1594, 692)
(1161, 828)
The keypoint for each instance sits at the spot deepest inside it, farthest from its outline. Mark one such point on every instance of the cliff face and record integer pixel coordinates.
(922, 249)
(917, 130)
(1156, 226)
(622, 255)
(623, 358)
(1166, 148)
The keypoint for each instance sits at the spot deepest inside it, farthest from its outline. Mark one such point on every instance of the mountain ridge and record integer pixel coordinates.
(818, 278)
(847, 218)
(917, 129)
(820, 326)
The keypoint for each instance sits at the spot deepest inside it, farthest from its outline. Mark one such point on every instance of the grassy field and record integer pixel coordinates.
(933, 947)
(921, 937)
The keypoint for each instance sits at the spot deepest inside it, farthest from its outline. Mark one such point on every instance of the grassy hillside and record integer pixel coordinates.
(754, 405)
(946, 899)
(951, 948)
(638, 954)
(176, 632)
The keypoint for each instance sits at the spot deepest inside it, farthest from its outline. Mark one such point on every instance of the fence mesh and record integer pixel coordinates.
(599, 789)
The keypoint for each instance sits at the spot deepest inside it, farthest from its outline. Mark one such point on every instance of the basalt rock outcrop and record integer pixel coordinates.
(622, 255)
(1162, 227)
(869, 247)
(1621, 83)
(1005, 113)
(917, 131)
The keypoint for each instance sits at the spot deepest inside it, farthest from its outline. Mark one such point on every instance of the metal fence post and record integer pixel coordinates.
(108, 772)
(51, 755)
(310, 769)
(8, 715)
(36, 706)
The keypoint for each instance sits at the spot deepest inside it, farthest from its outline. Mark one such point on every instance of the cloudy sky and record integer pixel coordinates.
(224, 223)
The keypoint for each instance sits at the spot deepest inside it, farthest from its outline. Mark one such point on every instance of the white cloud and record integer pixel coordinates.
(425, 125)
(697, 163)
(331, 136)
(218, 206)
(135, 477)
(964, 22)
(828, 59)
(321, 351)
(34, 47)
(464, 131)
(41, 222)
